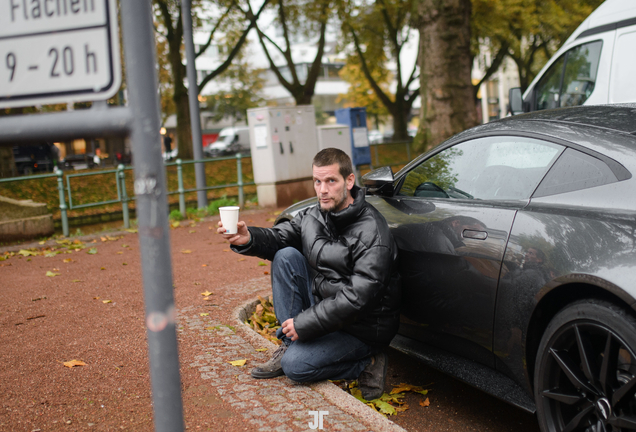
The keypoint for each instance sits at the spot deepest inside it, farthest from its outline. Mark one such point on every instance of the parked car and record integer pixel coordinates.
(375, 136)
(78, 161)
(595, 65)
(34, 158)
(516, 242)
(231, 140)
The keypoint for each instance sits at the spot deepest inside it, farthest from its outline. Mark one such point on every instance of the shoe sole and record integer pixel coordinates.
(265, 375)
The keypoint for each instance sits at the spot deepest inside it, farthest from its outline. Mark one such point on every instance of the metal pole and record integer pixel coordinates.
(152, 202)
(182, 206)
(124, 196)
(193, 98)
(60, 189)
(239, 174)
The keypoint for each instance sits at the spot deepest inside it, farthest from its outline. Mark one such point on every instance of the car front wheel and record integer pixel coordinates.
(585, 375)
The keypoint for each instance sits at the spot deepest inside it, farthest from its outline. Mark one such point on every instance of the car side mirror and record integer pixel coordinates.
(379, 181)
(515, 99)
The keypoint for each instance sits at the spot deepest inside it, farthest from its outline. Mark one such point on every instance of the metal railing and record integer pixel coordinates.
(122, 194)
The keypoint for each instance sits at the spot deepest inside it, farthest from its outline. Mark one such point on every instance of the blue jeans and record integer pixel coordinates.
(334, 356)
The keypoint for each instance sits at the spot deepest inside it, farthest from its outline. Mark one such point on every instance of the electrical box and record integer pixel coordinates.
(283, 144)
(336, 136)
(356, 119)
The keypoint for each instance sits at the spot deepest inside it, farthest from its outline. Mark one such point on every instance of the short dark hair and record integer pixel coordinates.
(330, 156)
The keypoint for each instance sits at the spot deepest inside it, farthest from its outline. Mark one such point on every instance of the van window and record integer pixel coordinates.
(624, 69)
(571, 79)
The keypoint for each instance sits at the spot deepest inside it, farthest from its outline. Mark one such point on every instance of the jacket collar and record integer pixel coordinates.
(351, 213)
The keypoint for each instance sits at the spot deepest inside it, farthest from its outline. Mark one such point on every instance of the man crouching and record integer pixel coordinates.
(334, 282)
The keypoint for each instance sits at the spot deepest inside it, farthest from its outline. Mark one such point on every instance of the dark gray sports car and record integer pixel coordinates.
(517, 247)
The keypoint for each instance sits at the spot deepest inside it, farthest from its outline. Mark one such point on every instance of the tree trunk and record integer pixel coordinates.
(400, 127)
(446, 90)
(184, 130)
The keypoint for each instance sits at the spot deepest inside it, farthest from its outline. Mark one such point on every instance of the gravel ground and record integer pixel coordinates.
(93, 312)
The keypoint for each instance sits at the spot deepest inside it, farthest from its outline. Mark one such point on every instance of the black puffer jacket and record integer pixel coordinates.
(354, 258)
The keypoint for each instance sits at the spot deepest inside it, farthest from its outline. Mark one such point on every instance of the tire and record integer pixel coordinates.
(585, 373)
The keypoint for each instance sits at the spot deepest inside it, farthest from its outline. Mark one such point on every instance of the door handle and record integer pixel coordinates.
(477, 235)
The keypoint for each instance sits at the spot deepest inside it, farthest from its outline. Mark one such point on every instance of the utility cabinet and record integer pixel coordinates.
(334, 135)
(356, 120)
(283, 144)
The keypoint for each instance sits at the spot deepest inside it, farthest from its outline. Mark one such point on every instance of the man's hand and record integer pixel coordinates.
(241, 237)
(289, 330)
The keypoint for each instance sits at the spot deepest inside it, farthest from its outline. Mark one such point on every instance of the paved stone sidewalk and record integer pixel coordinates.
(277, 404)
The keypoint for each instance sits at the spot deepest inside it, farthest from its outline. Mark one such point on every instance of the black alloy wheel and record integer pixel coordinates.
(585, 376)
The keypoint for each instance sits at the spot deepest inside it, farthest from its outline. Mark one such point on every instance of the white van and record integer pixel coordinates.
(231, 140)
(596, 65)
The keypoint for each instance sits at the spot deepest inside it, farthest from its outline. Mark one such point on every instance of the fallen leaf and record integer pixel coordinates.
(186, 251)
(270, 220)
(226, 250)
(67, 260)
(51, 274)
(36, 317)
(124, 263)
(384, 407)
(206, 293)
(132, 230)
(204, 314)
(204, 265)
(266, 272)
(25, 252)
(102, 268)
(175, 224)
(404, 387)
(197, 283)
(77, 280)
(261, 263)
(425, 403)
(120, 252)
(51, 254)
(92, 251)
(96, 298)
(103, 239)
(241, 259)
(42, 242)
(74, 363)
(238, 362)
(207, 298)
(107, 301)
(261, 349)
(191, 231)
(125, 246)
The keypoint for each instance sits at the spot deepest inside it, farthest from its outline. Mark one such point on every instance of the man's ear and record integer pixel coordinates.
(351, 180)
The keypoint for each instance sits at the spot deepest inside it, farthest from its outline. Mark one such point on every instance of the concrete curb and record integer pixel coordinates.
(332, 393)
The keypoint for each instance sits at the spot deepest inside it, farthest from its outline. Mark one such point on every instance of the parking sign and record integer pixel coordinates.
(58, 51)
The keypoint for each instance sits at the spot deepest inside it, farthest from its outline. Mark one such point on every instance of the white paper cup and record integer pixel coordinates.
(229, 218)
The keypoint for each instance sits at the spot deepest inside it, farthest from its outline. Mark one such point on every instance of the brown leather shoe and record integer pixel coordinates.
(272, 367)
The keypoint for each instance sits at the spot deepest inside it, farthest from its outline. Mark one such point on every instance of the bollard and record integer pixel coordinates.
(239, 174)
(182, 206)
(60, 189)
(124, 196)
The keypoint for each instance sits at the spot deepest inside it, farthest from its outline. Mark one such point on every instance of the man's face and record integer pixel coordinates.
(532, 256)
(331, 188)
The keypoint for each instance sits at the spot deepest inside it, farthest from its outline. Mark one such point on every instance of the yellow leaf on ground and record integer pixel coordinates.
(261, 349)
(207, 298)
(270, 220)
(206, 293)
(241, 259)
(186, 251)
(77, 280)
(204, 265)
(197, 283)
(191, 231)
(175, 224)
(226, 250)
(238, 362)
(102, 268)
(119, 252)
(204, 314)
(404, 387)
(425, 403)
(67, 260)
(25, 252)
(51, 274)
(74, 363)
(107, 301)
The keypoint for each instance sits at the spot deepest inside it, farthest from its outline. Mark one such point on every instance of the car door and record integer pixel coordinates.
(451, 217)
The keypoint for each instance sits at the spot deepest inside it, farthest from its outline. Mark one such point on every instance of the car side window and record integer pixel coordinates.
(573, 171)
(570, 80)
(499, 168)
